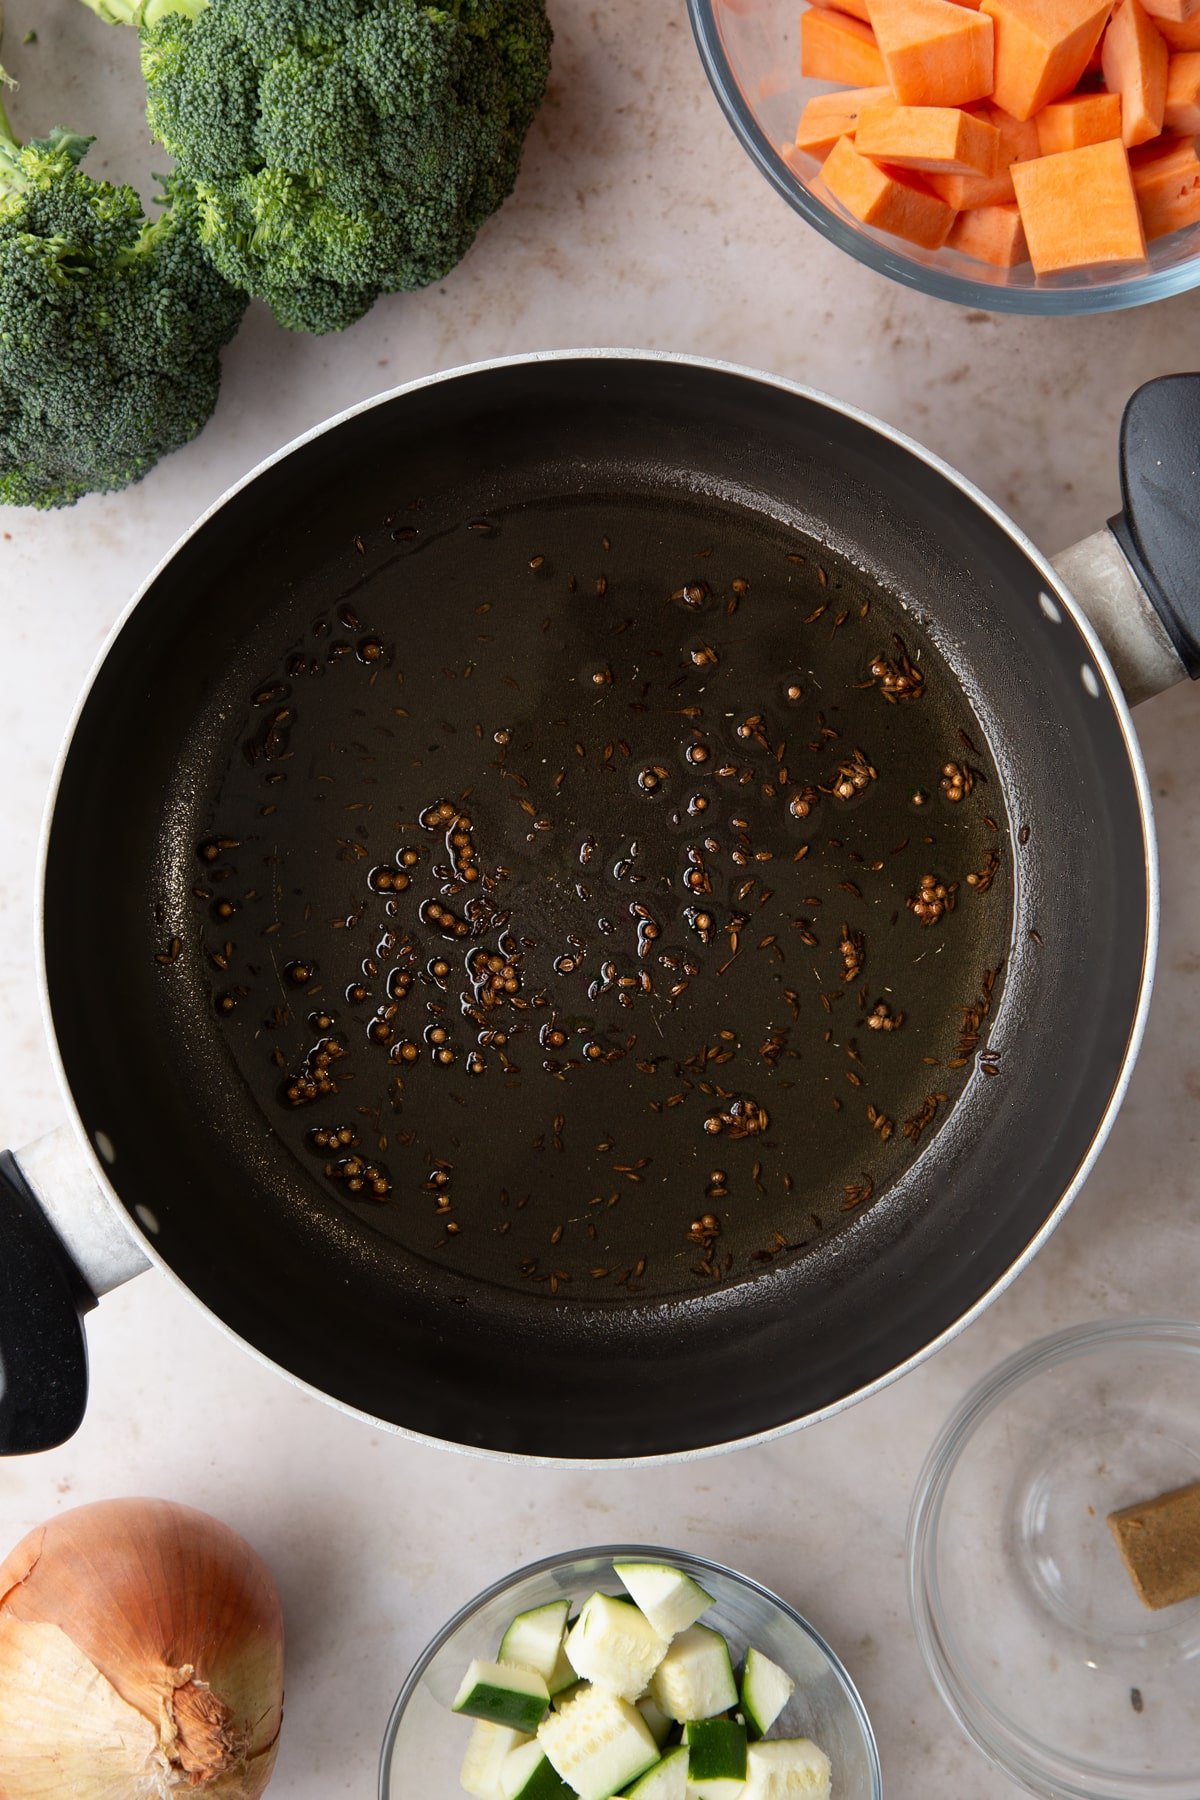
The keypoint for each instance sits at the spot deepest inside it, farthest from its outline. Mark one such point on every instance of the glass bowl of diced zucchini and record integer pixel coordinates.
(628, 1670)
(751, 52)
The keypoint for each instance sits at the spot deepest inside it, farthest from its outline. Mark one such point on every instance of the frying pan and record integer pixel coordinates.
(173, 1157)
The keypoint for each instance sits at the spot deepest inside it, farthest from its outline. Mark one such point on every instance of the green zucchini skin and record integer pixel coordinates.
(503, 1696)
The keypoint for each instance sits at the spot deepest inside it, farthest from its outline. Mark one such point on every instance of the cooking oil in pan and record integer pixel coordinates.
(607, 899)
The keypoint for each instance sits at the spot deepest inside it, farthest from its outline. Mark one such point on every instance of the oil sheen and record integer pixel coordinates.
(605, 899)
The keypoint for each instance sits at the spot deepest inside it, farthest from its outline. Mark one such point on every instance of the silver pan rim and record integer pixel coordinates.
(1111, 689)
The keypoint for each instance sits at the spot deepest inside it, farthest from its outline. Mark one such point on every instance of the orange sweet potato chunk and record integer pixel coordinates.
(892, 200)
(1018, 143)
(935, 53)
(991, 234)
(1079, 209)
(1042, 48)
(1166, 180)
(1182, 110)
(1079, 119)
(828, 117)
(835, 47)
(938, 139)
(856, 8)
(1134, 59)
(1180, 34)
(1179, 11)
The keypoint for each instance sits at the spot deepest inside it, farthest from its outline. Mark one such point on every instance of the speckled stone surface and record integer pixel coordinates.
(637, 221)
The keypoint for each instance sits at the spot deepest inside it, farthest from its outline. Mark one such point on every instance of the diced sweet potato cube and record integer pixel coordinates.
(1079, 209)
(1166, 180)
(1134, 59)
(1018, 143)
(828, 117)
(991, 234)
(934, 52)
(1180, 34)
(835, 47)
(1182, 110)
(1042, 49)
(1177, 10)
(1077, 120)
(942, 139)
(856, 8)
(892, 200)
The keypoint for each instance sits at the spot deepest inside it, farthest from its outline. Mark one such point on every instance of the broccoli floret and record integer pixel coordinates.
(340, 149)
(110, 326)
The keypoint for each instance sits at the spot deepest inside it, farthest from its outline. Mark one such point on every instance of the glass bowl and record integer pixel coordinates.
(751, 53)
(424, 1743)
(1024, 1611)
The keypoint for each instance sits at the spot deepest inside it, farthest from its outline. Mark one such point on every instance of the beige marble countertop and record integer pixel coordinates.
(637, 221)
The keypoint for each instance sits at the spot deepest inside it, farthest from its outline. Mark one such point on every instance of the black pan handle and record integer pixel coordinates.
(1159, 526)
(43, 1299)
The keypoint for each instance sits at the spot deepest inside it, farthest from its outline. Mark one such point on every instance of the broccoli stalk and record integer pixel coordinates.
(110, 326)
(340, 149)
(7, 135)
(139, 13)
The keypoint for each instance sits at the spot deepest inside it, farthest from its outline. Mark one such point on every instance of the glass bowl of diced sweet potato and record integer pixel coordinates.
(1037, 156)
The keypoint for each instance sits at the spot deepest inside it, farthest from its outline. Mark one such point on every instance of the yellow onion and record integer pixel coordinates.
(141, 1653)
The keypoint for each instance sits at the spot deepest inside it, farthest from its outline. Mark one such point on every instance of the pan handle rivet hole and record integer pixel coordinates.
(1090, 680)
(1050, 608)
(147, 1219)
(105, 1146)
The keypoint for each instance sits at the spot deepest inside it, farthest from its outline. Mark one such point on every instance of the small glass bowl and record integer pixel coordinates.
(751, 53)
(424, 1744)
(1023, 1609)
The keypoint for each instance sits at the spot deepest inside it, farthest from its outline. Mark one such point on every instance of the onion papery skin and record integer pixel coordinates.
(141, 1657)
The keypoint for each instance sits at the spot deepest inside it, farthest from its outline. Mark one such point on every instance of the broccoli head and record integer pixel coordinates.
(340, 149)
(110, 326)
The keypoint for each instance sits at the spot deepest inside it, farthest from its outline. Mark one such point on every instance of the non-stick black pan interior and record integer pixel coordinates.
(208, 1162)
